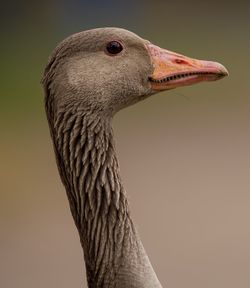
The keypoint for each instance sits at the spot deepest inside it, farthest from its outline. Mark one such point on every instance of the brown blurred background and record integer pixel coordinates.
(184, 154)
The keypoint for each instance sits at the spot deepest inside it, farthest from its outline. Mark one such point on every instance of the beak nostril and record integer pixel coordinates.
(180, 61)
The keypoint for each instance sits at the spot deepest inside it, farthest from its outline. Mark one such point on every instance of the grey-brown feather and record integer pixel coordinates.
(84, 88)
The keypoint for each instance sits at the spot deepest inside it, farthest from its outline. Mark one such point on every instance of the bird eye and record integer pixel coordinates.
(114, 47)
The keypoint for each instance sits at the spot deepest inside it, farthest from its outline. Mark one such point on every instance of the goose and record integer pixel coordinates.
(90, 76)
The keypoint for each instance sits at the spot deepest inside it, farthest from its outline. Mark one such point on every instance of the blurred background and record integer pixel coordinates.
(184, 154)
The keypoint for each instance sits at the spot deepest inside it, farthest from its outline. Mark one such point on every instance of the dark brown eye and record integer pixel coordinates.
(114, 47)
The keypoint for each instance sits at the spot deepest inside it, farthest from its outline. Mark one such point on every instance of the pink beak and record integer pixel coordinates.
(172, 70)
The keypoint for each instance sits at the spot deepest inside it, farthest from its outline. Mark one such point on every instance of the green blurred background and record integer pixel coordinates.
(184, 154)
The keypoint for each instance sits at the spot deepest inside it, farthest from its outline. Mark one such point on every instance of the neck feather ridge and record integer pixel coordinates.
(89, 169)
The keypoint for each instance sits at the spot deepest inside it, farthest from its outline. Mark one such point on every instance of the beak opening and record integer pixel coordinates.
(172, 70)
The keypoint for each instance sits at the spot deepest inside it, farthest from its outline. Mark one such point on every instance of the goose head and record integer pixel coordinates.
(107, 69)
